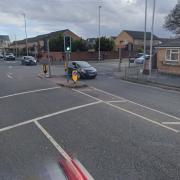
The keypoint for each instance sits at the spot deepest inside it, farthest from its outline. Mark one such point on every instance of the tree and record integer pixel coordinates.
(106, 44)
(57, 43)
(172, 21)
(78, 45)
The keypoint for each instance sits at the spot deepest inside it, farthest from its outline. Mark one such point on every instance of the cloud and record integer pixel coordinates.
(81, 16)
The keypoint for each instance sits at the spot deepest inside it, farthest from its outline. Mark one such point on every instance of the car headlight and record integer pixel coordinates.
(83, 71)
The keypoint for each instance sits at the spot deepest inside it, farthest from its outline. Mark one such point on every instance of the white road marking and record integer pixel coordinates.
(143, 117)
(176, 123)
(135, 114)
(118, 101)
(28, 92)
(48, 115)
(9, 76)
(51, 139)
(61, 150)
(155, 110)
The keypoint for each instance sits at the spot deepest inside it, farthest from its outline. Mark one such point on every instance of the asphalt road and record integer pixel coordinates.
(117, 130)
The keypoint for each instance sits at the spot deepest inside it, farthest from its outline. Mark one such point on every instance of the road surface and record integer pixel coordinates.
(117, 130)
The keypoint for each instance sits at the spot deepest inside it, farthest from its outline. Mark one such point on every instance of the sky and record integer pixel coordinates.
(80, 16)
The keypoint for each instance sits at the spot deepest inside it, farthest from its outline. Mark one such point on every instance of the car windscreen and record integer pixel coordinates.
(83, 64)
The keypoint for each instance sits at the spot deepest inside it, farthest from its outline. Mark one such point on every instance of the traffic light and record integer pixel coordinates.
(67, 43)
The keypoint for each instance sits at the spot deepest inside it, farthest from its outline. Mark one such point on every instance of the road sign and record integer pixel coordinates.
(74, 75)
(67, 44)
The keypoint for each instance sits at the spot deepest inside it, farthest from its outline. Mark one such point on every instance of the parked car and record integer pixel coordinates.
(141, 59)
(9, 57)
(131, 59)
(1, 56)
(84, 69)
(28, 60)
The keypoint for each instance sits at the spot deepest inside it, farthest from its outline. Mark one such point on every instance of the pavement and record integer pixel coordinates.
(116, 129)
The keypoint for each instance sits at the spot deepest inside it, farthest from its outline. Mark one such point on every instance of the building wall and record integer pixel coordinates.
(140, 42)
(59, 56)
(41, 42)
(137, 43)
(163, 66)
(4, 44)
(123, 37)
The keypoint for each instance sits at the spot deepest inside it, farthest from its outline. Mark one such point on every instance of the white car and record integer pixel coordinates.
(9, 57)
(140, 60)
(28, 60)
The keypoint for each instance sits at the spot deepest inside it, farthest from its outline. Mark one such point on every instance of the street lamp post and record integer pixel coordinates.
(99, 48)
(15, 44)
(145, 24)
(25, 33)
(151, 43)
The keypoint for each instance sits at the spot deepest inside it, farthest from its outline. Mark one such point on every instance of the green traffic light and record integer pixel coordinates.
(68, 48)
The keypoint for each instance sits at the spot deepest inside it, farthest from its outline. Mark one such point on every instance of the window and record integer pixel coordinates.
(172, 55)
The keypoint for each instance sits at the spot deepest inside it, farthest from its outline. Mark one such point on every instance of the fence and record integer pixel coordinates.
(136, 73)
(60, 56)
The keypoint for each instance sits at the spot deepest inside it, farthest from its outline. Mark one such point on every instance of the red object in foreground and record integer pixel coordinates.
(72, 170)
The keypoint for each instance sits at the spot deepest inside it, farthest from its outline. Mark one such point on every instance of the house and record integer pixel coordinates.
(4, 42)
(136, 39)
(39, 42)
(168, 56)
(91, 43)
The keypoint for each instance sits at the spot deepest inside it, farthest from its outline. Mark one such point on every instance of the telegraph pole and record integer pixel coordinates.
(145, 24)
(99, 48)
(25, 33)
(15, 44)
(151, 43)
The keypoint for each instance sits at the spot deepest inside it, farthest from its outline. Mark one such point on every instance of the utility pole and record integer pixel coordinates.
(99, 48)
(15, 44)
(49, 61)
(145, 24)
(25, 33)
(151, 43)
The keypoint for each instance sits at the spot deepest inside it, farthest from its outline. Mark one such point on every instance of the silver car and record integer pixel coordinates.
(141, 59)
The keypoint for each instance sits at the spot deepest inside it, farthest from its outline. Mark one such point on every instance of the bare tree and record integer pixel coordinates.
(172, 21)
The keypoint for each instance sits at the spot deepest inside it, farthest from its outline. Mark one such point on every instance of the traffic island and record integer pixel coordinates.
(62, 81)
(71, 84)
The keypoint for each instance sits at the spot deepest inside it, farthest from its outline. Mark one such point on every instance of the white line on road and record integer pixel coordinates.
(155, 110)
(60, 149)
(118, 101)
(28, 92)
(175, 123)
(51, 139)
(9, 76)
(48, 115)
(135, 114)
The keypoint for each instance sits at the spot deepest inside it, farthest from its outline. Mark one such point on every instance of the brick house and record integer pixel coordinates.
(168, 57)
(4, 42)
(39, 42)
(136, 38)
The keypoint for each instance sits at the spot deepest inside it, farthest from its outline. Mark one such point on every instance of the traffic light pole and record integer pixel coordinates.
(67, 50)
